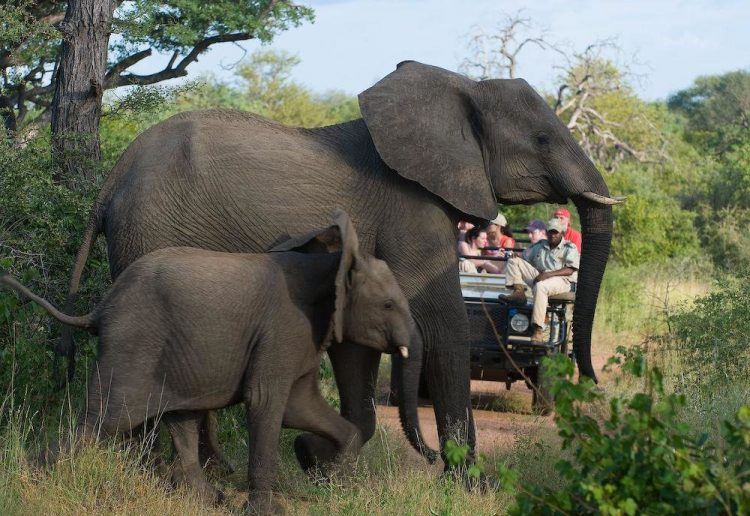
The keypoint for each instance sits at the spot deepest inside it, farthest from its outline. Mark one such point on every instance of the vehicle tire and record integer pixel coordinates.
(542, 402)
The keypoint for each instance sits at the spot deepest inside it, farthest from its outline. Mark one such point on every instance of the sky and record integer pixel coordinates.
(353, 43)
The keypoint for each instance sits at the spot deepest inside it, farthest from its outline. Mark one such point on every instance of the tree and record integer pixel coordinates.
(77, 104)
(30, 46)
(495, 54)
(589, 86)
(599, 107)
(717, 109)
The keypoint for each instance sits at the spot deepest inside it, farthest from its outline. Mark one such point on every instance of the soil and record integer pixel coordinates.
(500, 415)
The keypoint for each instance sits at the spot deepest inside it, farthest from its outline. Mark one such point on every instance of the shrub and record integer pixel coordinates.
(641, 458)
(707, 345)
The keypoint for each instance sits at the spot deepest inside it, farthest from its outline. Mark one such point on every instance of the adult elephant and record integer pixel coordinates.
(432, 147)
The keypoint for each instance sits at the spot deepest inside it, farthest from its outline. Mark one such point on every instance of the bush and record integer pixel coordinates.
(707, 345)
(641, 458)
(41, 225)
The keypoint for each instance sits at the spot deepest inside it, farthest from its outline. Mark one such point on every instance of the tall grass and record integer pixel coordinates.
(110, 478)
(635, 302)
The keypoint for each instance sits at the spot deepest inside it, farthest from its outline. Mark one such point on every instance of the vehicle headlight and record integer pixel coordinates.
(519, 323)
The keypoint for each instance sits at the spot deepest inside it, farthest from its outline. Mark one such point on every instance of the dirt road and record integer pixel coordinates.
(499, 416)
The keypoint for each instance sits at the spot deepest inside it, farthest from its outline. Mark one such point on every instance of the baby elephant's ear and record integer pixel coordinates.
(326, 240)
(349, 261)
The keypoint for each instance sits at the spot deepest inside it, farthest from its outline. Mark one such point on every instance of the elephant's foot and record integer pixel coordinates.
(198, 483)
(263, 502)
(313, 451)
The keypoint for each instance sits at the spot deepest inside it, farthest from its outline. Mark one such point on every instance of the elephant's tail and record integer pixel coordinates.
(86, 322)
(66, 346)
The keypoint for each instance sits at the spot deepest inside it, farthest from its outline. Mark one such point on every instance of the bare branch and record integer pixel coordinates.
(178, 71)
(496, 55)
(126, 63)
(174, 57)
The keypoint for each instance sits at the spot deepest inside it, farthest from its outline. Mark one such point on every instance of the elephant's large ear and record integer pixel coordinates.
(421, 119)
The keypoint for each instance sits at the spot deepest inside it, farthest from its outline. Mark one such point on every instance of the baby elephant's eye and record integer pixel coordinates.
(389, 304)
(542, 139)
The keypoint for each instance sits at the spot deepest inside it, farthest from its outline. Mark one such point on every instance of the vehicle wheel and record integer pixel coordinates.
(541, 401)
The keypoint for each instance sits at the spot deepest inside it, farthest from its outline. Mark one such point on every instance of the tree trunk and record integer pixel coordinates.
(79, 84)
(9, 116)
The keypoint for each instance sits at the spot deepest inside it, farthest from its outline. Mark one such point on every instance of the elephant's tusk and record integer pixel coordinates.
(404, 351)
(601, 199)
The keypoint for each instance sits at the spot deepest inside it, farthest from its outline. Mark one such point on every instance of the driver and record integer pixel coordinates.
(549, 267)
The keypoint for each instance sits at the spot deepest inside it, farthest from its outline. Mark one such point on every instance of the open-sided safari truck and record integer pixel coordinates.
(500, 335)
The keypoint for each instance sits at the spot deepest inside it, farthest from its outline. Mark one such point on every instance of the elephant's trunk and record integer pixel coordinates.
(596, 224)
(407, 371)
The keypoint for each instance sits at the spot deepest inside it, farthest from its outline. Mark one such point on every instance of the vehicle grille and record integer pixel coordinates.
(480, 327)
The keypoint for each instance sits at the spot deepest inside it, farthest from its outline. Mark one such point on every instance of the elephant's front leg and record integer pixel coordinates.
(265, 409)
(308, 410)
(442, 321)
(356, 372)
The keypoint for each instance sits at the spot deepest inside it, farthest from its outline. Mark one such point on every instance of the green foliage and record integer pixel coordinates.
(650, 226)
(710, 338)
(265, 88)
(41, 224)
(641, 458)
(30, 42)
(458, 457)
(717, 108)
(178, 25)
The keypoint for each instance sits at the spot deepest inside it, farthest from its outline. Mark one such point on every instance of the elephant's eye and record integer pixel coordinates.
(388, 305)
(542, 139)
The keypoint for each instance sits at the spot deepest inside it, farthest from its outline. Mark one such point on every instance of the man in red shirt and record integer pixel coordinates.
(571, 235)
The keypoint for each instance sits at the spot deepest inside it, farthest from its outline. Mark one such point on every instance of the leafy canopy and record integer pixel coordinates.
(30, 42)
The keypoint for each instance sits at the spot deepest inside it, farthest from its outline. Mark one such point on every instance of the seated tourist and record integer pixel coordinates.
(505, 235)
(548, 267)
(537, 230)
(570, 234)
(474, 241)
(495, 246)
(463, 227)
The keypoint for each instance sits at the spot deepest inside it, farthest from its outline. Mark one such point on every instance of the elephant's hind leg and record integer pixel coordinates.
(184, 428)
(307, 410)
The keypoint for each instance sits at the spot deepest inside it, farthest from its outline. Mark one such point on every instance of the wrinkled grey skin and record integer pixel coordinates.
(433, 147)
(185, 330)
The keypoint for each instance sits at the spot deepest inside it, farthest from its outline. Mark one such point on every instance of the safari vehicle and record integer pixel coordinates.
(500, 335)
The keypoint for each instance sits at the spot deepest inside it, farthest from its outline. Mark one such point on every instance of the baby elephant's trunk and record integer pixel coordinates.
(86, 322)
(407, 371)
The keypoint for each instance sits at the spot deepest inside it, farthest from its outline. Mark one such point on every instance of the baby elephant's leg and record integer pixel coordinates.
(265, 408)
(307, 410)
(184, 427)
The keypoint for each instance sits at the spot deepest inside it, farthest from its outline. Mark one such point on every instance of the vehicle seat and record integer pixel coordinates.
(565, 297)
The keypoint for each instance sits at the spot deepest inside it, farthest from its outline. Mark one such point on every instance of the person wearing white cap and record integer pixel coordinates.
(548, 267)
(499, 234)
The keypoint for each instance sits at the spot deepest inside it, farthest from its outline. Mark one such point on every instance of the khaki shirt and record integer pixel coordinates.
(545, 259)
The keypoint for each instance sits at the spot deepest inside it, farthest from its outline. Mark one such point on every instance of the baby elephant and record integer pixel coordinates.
(184, 331)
